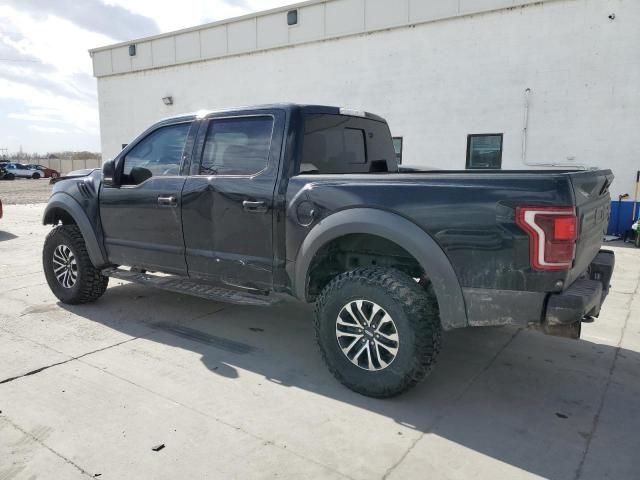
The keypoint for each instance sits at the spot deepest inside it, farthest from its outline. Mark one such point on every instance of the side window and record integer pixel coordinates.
(398, 145)
(158, 154)
(237, 146)
(484, 151)
(354, 149)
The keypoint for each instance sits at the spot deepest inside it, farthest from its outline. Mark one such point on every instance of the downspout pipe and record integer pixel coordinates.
(525, 137)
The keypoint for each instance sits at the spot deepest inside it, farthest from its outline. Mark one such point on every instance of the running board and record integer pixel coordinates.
(174, 283)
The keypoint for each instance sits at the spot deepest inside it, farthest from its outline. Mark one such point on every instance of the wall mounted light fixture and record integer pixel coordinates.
(167, 100)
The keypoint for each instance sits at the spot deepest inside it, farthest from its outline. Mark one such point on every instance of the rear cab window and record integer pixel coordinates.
(334, 144)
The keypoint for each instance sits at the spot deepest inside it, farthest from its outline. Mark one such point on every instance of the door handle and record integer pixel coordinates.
(254, 207)
(168, 201)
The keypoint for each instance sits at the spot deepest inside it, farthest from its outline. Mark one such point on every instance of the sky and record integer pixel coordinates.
(48, 96)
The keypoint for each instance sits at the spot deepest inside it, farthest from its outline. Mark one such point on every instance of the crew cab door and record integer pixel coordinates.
(141, 213)
(227, 206)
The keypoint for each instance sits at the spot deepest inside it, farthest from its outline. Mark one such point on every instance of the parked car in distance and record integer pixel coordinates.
(246, 206)
(4, 174)
(23, 171)
(46, 171)
(0, 208)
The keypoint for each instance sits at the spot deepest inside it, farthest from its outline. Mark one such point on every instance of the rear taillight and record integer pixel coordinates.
(552, 235)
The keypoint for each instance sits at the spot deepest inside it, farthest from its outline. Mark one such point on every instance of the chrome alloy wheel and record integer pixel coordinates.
(367, 335)
(65, 267)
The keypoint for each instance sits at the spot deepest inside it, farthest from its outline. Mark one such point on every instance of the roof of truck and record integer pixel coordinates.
(289, 107)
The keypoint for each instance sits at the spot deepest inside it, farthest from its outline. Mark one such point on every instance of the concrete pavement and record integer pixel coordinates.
(241, 392)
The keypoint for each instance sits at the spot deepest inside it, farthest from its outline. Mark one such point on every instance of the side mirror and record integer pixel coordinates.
(108, 173)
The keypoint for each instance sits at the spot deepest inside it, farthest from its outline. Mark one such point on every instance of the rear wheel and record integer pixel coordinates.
(54, 175)
(68, 269)
(378, 330)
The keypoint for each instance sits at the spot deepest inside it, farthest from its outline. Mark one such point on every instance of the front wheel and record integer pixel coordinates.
(35, 176)
(378, 330)
(70, 274)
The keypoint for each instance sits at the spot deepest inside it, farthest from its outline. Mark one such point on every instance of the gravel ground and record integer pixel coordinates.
(24, 192)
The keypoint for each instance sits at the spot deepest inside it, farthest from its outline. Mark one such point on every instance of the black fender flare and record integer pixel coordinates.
(65, 202)
(401, 231)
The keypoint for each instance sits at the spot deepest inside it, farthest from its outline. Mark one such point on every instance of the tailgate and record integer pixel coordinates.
(593, 207)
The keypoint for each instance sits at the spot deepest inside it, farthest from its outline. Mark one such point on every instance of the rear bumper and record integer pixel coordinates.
(585, 296)
(556, 313)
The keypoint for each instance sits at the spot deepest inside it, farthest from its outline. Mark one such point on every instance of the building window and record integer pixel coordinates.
(484, 151)
(292, 17)
(397, 146)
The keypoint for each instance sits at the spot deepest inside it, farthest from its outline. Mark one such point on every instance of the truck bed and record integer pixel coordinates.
(471, 215)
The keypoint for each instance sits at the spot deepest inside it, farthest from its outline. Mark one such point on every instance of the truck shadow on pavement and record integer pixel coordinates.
(530, 401)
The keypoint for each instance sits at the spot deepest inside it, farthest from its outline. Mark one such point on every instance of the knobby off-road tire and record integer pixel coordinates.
(380, 294)
(65, 249)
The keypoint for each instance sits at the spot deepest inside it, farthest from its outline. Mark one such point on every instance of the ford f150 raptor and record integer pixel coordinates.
(252, 205)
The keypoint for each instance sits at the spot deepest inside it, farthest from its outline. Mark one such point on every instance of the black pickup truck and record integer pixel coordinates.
(250, 206)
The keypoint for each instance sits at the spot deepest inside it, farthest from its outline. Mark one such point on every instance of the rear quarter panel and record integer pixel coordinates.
(470, 215)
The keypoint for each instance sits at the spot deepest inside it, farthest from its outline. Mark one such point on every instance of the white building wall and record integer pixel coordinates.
(434, 82)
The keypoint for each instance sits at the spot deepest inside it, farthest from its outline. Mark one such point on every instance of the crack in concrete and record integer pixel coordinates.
(238, 428)
(23, 287)
(22, 274)
(46, 367)
(596, 418)
(455, 400)
(41, 443)
(152, 329)
(204, 315)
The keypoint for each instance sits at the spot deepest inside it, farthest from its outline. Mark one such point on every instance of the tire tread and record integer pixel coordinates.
(94, 284)
(421, 309)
